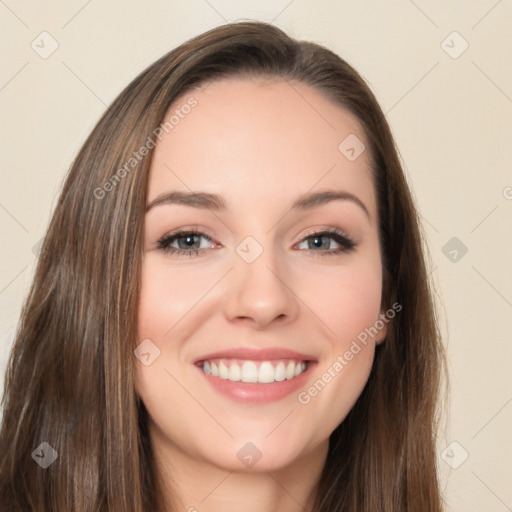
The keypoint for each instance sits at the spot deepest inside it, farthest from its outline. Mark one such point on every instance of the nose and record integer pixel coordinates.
(260, 292)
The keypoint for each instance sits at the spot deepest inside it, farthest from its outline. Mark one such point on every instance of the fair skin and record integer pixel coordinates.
(260, 144)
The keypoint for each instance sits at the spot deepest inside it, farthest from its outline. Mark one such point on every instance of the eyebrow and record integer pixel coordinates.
(209, 201)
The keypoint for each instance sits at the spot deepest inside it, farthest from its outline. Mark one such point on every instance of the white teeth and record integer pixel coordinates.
(280, 372)
(254, 371)
(290, 370)
(223, 370)
(249, 372)
(234, 373)
(266, 372)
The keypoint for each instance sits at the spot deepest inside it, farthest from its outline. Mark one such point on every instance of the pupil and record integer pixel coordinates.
(318, 241)
(189, 240)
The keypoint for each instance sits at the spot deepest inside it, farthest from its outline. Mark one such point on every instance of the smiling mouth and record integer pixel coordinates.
(264, 372)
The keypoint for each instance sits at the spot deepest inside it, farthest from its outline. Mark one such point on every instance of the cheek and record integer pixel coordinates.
(167, 296)
(348, 303)
(347, 300)
(160, 308)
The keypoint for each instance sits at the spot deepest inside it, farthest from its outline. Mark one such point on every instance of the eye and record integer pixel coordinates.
(188, 243)
(319, 243)
(323, 240)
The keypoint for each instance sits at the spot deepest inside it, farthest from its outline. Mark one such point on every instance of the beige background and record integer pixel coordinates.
(452, 122)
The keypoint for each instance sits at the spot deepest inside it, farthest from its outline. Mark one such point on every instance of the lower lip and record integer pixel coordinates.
(247, 392)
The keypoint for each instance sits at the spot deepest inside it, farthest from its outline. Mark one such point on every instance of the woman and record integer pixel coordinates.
(231, 308)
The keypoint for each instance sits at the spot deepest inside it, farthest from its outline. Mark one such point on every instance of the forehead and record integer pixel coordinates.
(250, 139)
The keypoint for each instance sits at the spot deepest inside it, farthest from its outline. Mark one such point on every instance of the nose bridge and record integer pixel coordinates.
(258, 287)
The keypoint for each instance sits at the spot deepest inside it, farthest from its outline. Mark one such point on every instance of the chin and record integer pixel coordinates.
(259, 455)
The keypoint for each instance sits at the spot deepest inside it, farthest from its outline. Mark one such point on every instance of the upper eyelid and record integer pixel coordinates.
(312, 232)
(326, 230)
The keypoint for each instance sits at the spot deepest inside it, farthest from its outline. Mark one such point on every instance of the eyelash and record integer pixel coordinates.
(345, 242)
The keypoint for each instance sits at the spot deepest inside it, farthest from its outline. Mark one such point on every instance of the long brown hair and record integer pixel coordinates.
(70, 378)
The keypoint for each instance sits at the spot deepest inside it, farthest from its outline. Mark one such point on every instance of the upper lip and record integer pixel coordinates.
(251, 354)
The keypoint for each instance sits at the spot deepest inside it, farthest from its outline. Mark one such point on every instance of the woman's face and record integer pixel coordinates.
(258, 332)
